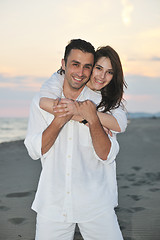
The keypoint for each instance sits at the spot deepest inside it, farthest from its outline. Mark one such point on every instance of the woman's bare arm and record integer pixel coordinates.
(107, 120)
(47, 104)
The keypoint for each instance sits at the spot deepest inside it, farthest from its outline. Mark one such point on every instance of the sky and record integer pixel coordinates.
(34, 33)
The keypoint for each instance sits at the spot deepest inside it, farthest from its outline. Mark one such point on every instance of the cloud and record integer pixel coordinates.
(21, 83)
(126, 12)
(148, 42)
(16, 93)
(138, 98)
(142, 94)
(142, 103)
(15, 106)
(14, 102)
(142, 85)
(155, 59)
(142, 66)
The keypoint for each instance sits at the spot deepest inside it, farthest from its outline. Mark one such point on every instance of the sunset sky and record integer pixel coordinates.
(34, 34)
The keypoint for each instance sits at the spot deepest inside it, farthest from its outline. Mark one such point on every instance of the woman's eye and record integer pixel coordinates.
(110, 72)
(98, 68)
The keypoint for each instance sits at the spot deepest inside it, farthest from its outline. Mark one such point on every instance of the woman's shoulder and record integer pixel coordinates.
(94, 95)
(56, 80)
(120, 109)
(53, 86)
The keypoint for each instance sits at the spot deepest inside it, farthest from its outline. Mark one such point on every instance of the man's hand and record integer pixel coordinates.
(100, 140)
(87, 110)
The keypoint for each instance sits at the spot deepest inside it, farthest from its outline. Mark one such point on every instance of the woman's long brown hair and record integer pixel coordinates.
(112, 94)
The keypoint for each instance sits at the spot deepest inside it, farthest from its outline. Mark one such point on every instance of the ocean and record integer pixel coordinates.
(12, 129)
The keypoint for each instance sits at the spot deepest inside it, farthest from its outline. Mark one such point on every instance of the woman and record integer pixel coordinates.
(107, 78)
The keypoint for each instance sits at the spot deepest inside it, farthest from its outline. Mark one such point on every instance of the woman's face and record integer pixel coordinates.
(102, 74)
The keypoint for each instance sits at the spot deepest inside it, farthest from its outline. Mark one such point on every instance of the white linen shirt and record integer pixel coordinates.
(53, 87)
(75, 184)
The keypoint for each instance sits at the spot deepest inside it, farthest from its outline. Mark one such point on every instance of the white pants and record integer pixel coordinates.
(104, 227)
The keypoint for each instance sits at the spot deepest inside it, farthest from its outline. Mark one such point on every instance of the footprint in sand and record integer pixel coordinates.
(129, 238)
(124, 187)
(154, 189)
(142, 182)
(122, 227)
(138, 209)
(130, 177)
(130, 210)
(136, 168)
(20, 237)
(153, 176)
(4, 208)
(135, 197)
(119, 176)
(17, 221)
(19, 194)
(120, 209)
(148, 178)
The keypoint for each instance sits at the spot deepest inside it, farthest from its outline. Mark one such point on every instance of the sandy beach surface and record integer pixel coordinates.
(138, 175)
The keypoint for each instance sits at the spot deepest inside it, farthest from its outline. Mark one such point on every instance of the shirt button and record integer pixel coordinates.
(70, 138)
(64, 215)
(69, 156)
(68, 174)
(68, 192)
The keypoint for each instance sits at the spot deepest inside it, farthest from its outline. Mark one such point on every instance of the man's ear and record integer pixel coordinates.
(63, 64)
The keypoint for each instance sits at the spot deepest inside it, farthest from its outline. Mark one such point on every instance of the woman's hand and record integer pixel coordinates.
(65, 107)
(59, 112)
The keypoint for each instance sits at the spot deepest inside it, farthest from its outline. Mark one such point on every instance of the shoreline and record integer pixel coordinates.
(20, 137)
(12, 142)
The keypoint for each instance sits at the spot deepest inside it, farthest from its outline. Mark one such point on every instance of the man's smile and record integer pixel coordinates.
(78, 79)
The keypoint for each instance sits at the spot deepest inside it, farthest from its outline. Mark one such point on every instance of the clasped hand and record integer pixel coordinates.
(64, 107)
(67, 108)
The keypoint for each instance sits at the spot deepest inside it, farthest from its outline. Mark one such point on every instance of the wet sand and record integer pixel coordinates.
(138, 175)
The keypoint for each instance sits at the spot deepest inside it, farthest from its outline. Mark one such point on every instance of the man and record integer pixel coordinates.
(77, 182)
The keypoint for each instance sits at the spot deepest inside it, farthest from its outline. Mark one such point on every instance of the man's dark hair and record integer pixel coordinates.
(77, 44)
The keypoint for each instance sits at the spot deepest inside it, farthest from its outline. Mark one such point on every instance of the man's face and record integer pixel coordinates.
(78, 68)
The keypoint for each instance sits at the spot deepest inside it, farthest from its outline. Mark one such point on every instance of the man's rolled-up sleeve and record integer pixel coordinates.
(36, 125)
(112, 153)
(33, 145)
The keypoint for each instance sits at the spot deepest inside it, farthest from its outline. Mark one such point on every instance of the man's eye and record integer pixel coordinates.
(75, 64)
(88, 67)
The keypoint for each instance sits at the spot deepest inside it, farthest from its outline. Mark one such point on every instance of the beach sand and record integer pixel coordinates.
(138, 175)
